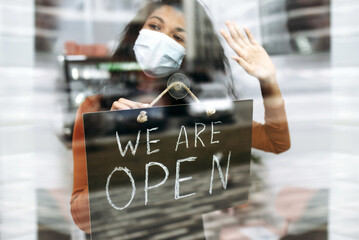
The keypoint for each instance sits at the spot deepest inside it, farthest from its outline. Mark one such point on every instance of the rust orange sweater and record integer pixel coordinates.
(272, 136)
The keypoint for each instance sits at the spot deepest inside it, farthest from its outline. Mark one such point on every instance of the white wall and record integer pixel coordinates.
(17, 190)
(344, 197)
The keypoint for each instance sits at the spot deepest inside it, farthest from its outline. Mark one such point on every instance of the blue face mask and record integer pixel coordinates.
(157, 54)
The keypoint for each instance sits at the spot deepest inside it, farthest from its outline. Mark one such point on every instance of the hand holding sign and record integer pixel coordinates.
(125, 104)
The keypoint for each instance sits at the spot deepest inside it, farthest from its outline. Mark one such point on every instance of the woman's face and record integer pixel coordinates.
(169, 21)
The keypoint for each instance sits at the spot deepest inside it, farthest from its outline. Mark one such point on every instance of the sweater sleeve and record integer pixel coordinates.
(80, 198)
(273, 135)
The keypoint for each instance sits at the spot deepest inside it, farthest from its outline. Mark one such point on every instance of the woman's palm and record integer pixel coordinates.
(250, 55)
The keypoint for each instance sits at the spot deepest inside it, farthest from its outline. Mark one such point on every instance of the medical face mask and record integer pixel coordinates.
(157, 54)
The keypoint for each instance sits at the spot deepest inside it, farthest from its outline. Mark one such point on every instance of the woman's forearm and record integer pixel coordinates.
(272, 96)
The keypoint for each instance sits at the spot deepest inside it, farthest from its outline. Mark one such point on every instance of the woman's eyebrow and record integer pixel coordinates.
(159, 18)
(179, 29)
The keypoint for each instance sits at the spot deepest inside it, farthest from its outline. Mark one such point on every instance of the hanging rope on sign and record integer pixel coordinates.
(142, 117)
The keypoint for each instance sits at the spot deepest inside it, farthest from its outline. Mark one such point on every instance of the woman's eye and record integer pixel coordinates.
(155, 27)
(178, 38)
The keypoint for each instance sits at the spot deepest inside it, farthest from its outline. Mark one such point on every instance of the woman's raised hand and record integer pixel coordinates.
(123, 104)
(250, 55)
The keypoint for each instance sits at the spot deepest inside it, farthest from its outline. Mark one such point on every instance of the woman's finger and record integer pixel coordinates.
(243, 63)
(241, 34)
(232, 43)
(124, 104)
(250, 36)
(234, 34)
(119, 106)
(132, 104)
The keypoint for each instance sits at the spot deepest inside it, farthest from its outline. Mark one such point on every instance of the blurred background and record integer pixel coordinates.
(54, 53)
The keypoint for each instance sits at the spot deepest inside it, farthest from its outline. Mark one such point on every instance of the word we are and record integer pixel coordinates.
(199, 128)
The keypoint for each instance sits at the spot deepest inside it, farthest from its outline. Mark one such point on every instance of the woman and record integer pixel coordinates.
(156, 39)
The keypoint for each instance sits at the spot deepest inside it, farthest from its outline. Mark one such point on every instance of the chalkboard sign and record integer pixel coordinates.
(154, 180)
